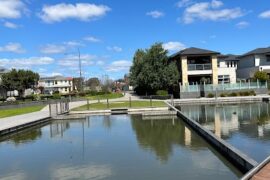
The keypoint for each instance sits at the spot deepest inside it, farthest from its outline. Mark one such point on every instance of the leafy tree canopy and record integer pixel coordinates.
(151, 70)
(20, 80)
(261, 76)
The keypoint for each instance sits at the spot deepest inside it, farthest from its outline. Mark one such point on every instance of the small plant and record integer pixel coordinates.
(56, 96)
(223, 95)
(210, 95)
(162, 93)
(233, 94)
(252, 93)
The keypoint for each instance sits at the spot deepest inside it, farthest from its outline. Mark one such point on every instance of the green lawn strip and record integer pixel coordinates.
(19, 111)
(105, 96)
(120, 104)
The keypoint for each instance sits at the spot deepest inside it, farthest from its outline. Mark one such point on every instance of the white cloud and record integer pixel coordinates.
(242, 24)
(73, 60)
(25, 62)
(174, 46)
(91, 39)
(114, 48)
(210, 11)
(100, 63)
(213, 37)
(73, 43)
(10, 25)
(184, 3)
(11, 9)
(116, 66)
(53, 49)
(13, 48)
(155, 14)
(265, 14)
(80, 11)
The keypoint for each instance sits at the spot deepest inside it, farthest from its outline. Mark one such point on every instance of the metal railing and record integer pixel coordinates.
(198, 67)
(224, 87)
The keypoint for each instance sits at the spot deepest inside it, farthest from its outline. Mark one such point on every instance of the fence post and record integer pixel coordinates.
(266, 84)
(50, 109)
(56, 107)
(240, 85)
(151, 101)
(108, 106)
(258, 86)
(98, 100)
(172, 102)
(249, 84)
(180, 90)
(129, 101)
(88, 104)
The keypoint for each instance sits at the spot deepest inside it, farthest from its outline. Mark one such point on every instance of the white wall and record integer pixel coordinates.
(228, 71)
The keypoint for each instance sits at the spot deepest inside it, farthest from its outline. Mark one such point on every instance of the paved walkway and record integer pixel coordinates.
(13, 121)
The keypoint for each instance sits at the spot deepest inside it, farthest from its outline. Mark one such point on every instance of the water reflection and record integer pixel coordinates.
(249, 123)
(160, 136)
(112, 147)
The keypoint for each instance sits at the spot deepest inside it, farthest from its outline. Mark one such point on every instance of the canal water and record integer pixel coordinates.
(245, 126)
(112, 147)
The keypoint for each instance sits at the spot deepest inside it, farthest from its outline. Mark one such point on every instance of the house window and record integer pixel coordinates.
(268, 58)
(55, 82)
(66, 89)
(223, 79)
(228, 64)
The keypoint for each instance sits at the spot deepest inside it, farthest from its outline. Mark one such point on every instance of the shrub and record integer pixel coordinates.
(223, 95)
(82, 94)
(233, 94)
(210, 95)
(252, 93)
(162, 93)
(56, 96)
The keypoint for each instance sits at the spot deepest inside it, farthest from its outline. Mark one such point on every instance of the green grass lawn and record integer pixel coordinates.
(121, 104)
(105, 96)
(14, 112)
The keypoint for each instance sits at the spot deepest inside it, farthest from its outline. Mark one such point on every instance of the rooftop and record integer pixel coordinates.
(229, 57)
(54, 78)
(258, 51)
(194, 51)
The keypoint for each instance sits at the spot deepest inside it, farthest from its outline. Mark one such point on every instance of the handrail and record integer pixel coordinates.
(194, 67)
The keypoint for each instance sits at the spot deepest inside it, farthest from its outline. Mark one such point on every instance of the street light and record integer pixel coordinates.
(80, 67)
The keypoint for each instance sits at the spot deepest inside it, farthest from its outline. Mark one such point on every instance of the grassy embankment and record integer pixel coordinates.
(14, 112)
(105, 96)
(121, 104)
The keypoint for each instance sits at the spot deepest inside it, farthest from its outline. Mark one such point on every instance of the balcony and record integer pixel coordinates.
(199, 67)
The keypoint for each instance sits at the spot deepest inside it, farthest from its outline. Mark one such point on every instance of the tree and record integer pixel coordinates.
(261, 76)
(77, 83)
(151, 70)
(20, 80)
(93, 82)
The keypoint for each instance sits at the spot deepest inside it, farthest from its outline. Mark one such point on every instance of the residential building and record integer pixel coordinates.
(196, 65)
(57, 83)
(255, 60)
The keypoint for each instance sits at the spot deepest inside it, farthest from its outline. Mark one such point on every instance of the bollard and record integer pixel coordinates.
(50, 109)
(130, 102)
(150, 101)
(108, 106)
(88, 107)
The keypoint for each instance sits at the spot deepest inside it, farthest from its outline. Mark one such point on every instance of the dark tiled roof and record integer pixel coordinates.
(229, 57)
(193, 51)
(55, 78)
(258, 51)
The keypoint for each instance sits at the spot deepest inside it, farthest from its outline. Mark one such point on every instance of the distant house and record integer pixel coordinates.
(56, 83)
(255, 60)
(197, 65)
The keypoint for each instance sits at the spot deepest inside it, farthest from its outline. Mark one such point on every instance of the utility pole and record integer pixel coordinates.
(80, 68)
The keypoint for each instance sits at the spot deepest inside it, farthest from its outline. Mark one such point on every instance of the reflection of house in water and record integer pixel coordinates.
(251, 119)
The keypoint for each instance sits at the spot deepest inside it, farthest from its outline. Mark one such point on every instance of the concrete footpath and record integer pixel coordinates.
(14, 121)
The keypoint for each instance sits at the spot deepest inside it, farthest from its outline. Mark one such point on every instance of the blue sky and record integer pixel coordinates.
(45, 35)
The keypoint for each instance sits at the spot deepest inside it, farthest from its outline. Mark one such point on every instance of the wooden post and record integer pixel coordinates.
(88, 107)
(130, 102)
(108, 106)
(56, 108)
(151, 101)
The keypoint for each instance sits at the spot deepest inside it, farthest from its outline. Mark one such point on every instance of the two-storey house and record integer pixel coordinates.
(255, 60)
(200, 65)
(57, 83)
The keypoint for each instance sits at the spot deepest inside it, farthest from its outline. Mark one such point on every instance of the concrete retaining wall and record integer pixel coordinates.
(236, 157)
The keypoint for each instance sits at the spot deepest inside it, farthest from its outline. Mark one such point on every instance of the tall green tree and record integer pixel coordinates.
(261, 76)
(151, 70)
(20, 80)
